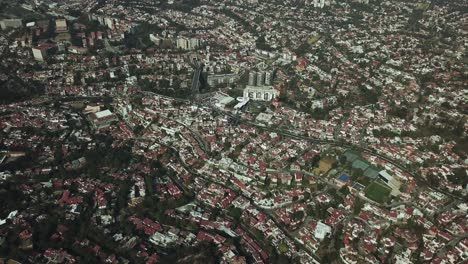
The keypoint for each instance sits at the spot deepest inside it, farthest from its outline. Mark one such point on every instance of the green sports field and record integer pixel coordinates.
(377, 192)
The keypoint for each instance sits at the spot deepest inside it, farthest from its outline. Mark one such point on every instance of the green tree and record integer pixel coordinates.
(358, 205)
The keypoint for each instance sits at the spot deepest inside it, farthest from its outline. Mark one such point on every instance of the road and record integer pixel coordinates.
(291, 135)
(338, 143)
(196, 174)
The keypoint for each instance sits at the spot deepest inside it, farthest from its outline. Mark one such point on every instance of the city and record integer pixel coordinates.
(252, 131)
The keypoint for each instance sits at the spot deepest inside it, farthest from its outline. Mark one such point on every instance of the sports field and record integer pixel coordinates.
(377, 192)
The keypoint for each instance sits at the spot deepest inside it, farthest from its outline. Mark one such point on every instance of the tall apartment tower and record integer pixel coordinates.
(252, 76)
(260, 78)
(268, 78)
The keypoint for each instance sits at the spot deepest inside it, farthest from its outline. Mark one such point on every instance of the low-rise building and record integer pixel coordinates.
(10, 23)
(102, 119)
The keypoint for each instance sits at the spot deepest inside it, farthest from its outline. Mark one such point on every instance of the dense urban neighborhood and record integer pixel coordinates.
(251, 131)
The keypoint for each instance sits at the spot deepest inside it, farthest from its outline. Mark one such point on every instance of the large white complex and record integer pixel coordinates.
(187, 43)
(216, 79)
(260, 78)
(318, 3)
(105, 21)
(260, 93)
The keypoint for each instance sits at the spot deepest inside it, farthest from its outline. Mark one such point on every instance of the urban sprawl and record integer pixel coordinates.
(250, 131)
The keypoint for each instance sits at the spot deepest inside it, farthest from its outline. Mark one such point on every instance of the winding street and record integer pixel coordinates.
(338, 143)
(290, 134)
(197, 174)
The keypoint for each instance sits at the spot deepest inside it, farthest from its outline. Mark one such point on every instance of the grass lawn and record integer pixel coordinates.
(364, 180)
(377, 192)
(256, 107)
(313, 39)
(283, 248)
(423, 6)
(316, 172)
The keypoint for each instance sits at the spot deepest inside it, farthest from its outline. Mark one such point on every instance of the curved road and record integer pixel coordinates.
(337, 143)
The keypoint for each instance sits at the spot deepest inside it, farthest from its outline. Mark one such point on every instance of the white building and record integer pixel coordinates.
(187, 43)
(61, 25)
(260, 78)
(155, 39)
(11, 23)
(268, 78)
(390, 181)
(260, 93)
(321, 231)
(109, 22)
(320, 3)
(252, 79)
(39, 54)
(228, 78)
(102, 119)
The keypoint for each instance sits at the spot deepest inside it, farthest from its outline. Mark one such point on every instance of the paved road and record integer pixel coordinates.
(196, 174)
(338, 143)
(292, 135)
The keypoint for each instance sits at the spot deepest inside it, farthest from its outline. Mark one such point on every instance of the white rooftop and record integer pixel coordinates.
(321, 230)
(103, 114)
(61, 23)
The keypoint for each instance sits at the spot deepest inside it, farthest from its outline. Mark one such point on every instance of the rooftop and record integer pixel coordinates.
(103, 114)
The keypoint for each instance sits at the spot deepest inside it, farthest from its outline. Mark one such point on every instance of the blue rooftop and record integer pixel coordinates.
(343, 178)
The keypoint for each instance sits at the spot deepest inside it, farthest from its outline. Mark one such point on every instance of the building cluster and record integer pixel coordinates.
(350, 150)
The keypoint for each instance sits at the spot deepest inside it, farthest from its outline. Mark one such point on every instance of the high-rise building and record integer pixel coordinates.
(187, 43)
(182, 43)
(260, 78)
(252, 78)
(194, 43)
(217, 79)
(268, 78)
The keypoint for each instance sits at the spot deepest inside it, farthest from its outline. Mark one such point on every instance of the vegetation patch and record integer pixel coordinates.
(283, 248)
(313, 39)
(377, 192)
